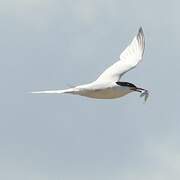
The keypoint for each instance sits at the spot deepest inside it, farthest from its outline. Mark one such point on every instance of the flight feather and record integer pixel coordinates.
(128, 59)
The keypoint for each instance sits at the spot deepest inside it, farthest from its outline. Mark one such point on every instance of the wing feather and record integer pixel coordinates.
(129, 58)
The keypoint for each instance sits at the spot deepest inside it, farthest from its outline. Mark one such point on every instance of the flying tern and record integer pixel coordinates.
(108, 84)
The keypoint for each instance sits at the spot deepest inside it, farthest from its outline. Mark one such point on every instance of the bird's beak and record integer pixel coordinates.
(143, 92)
(137, 89)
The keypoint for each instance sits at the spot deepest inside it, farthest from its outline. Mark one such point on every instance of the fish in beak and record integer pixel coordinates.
(144, 92)
(138, 89)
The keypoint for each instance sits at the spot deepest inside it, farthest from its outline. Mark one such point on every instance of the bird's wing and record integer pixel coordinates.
(129, 58)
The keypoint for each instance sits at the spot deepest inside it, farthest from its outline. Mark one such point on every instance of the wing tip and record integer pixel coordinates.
(141, 39)
(140, 31)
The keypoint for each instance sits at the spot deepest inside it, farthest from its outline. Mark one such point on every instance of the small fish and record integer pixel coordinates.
(145, 94)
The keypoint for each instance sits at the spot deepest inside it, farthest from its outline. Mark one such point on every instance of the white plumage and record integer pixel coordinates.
(108, 85)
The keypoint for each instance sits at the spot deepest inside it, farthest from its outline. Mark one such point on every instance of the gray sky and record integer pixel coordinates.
(48, 44)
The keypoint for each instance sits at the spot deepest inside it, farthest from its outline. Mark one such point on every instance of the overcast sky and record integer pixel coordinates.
(50, 44)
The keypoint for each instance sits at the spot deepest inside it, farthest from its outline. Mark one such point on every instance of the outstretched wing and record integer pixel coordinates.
(129, 58)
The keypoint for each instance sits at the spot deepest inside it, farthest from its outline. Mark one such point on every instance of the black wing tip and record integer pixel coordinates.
(140, 31)
(140, 35)
(141, 38)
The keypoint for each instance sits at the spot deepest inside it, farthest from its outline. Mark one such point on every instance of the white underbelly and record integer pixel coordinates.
(109, 93)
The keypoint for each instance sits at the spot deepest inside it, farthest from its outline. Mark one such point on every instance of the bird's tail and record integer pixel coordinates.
(70, 90)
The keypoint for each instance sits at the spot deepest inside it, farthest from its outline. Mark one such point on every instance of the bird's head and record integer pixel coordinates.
(130, 86)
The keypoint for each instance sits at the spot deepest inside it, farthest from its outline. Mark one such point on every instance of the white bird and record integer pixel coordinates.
(108, 84)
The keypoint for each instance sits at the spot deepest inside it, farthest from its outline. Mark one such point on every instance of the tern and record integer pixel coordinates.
(108, 84)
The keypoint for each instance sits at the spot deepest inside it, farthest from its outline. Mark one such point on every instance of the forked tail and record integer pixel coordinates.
(71, 91)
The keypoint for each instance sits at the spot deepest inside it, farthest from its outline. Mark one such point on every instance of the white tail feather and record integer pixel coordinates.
(71, 90)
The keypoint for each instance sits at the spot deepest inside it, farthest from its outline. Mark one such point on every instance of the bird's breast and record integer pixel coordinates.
(104, 93)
